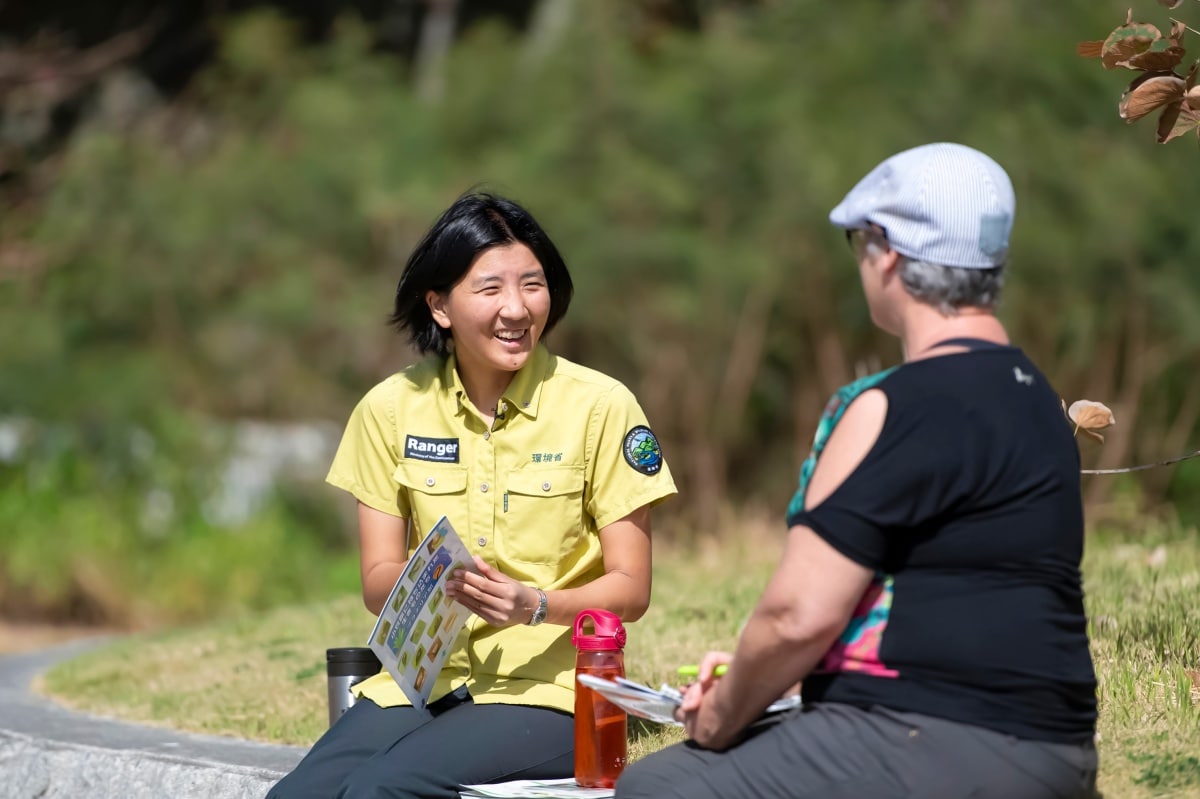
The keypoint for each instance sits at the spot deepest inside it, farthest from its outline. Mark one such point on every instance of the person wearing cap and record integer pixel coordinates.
(546, 469)
(929, 597)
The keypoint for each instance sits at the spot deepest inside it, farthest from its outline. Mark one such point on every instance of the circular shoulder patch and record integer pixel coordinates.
(642, 451)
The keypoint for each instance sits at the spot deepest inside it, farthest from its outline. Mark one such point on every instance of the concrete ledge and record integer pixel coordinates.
(47, 751)
(39, 769)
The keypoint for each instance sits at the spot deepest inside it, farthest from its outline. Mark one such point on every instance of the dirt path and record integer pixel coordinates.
(24, 637)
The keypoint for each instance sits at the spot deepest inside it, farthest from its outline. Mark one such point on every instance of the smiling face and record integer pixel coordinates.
(496, 314)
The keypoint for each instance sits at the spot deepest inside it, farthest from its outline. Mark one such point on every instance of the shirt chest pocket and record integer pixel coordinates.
(433, 490)
(543, 518)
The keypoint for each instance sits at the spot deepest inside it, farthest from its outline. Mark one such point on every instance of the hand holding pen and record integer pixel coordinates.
(712, 666)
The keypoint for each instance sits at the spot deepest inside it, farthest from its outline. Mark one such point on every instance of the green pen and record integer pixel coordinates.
(694, 671)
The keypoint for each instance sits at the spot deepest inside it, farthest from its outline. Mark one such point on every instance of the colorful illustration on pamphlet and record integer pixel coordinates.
(436, 536)
(401, 595)
(413, 634)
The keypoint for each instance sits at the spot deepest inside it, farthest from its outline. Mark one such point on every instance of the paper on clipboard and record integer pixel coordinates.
(658, 706)
(414, 632)
(637, 699)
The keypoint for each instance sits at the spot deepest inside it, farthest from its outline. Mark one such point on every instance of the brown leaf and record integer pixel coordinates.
(1148, 93)
(1168, 120)
(1093, 434)
(1127, 41)
(1090, 416)
(1195, 675)
(1090, 49)
(1178, 29)
(1170, 3)
(1157, 60)
(1187, 120)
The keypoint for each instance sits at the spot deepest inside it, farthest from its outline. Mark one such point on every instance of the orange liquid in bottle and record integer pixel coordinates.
(600, 727)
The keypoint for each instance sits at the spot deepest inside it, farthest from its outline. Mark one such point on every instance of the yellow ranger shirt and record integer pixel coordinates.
(569, 453)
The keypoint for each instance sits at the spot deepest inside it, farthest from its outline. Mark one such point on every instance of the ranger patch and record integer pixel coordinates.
(642, 451)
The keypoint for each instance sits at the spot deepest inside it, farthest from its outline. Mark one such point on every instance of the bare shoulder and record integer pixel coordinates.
(854, 436)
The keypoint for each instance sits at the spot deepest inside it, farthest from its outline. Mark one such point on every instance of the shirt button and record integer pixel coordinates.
(484, 488)
(487, 434)
(546, 486)
(481, 541)
(429, 481)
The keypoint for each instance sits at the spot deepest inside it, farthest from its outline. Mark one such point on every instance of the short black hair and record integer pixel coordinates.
(477, 221)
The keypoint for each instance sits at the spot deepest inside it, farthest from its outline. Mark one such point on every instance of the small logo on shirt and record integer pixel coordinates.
(642, 451)
(1022, 377)
(441, 450)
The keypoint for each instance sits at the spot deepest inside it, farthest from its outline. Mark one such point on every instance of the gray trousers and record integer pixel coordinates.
(404, 753)
(835, 751)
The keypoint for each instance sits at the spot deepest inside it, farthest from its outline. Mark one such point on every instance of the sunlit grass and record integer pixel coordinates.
(1145, 631)
(263, 677)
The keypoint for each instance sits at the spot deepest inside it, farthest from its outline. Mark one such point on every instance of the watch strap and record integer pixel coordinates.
(539, 613)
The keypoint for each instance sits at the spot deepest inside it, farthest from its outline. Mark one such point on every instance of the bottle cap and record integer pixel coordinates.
(608, 632)
(345, 661)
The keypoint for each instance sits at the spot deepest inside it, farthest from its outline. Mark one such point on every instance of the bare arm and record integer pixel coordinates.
(383, 554)
(624, 588)
(806, 605)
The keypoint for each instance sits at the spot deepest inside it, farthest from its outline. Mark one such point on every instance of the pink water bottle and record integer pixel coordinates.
(600, 726)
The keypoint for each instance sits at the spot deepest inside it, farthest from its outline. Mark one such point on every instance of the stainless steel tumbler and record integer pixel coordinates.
(345, 666)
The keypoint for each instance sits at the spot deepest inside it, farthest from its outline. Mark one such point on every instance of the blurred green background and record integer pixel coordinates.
(206, 207)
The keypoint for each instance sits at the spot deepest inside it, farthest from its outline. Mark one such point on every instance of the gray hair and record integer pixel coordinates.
(946, 288)
(949, 288)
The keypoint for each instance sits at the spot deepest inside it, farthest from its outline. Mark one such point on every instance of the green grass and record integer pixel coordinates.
(263, 677)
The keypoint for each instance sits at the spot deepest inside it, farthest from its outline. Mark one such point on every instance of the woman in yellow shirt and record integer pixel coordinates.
(548, 471)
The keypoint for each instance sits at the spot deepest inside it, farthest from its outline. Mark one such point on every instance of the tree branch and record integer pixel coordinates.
(1143, 466)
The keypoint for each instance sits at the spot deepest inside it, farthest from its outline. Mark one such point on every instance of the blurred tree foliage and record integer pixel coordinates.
(231, 254)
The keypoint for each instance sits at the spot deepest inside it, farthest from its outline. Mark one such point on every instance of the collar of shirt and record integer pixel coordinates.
(523, 394)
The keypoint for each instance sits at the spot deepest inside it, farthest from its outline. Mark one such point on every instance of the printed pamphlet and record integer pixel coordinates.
(659, 706)
(419, 623)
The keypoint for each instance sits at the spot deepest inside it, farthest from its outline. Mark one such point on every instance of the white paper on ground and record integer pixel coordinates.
(541, 789)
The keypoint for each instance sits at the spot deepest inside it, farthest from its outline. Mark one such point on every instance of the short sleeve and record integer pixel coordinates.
(627, 469)
(367, 457)
(912, 475)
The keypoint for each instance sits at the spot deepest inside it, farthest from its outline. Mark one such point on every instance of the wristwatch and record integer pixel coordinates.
(539, 613)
